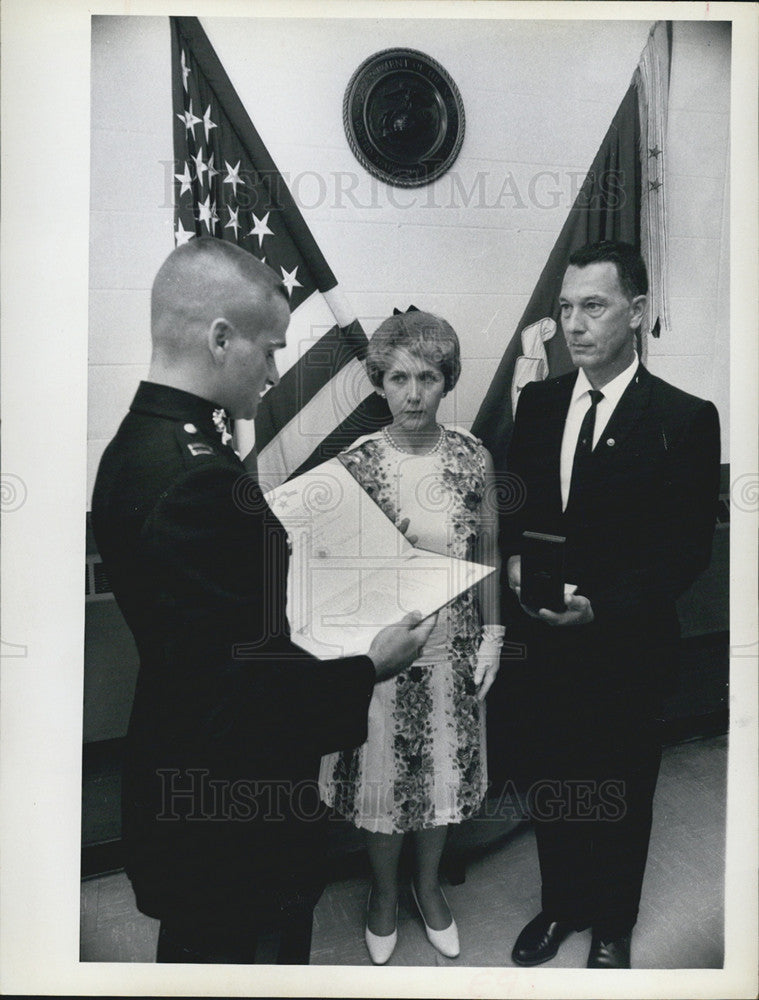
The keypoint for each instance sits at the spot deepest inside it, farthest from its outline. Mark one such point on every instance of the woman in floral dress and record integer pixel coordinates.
(423, 765)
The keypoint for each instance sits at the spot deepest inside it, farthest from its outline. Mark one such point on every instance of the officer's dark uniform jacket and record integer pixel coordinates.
(229, 718)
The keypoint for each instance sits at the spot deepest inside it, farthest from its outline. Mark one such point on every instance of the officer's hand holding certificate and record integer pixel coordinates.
(352, 572)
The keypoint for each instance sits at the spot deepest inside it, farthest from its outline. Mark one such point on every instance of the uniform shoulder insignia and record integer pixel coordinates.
(194, 445)
(198, 448)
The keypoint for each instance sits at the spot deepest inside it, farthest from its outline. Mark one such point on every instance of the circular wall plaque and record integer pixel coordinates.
(404, 117)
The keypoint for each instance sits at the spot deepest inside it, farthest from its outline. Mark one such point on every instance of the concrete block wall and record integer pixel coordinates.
(539, 97)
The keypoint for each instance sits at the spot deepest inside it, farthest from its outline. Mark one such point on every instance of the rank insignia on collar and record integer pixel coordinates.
(219, 417)
(196, 448)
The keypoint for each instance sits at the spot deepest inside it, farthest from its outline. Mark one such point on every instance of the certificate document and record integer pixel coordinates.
(351, 570)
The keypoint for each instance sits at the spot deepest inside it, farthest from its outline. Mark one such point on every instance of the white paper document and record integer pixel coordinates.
(351, 570)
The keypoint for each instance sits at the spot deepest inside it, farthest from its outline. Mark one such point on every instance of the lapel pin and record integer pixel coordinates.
(611, 442)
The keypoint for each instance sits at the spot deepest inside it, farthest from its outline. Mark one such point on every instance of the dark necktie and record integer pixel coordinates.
(585, 440)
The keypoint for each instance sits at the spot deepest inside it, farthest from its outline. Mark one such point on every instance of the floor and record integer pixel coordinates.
(681, 917)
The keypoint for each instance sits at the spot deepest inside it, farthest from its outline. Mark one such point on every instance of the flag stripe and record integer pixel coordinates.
(312, 319)
(298, 386)
(316, 420)
(370, 415)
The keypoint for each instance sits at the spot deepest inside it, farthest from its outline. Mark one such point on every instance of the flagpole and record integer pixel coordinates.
(338, 303)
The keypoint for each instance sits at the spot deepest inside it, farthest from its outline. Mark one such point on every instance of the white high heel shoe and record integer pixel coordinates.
(447, 940)
(380, 946)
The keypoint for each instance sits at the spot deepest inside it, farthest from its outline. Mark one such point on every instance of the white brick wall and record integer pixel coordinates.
(538, 97)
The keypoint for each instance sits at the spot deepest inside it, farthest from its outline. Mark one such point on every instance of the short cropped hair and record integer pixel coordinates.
(631, 268)
(421, 334)
(200, 255)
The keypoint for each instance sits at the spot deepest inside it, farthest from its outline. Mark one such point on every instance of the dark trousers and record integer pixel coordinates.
(284, 942)
(584, 746)
(593, 839)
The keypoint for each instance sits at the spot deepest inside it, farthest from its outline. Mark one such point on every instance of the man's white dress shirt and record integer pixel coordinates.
(578, 407)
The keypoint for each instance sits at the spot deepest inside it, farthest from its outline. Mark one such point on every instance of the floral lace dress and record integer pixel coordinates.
(423, 764)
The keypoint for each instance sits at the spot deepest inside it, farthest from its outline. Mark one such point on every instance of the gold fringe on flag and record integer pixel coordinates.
(651, 80)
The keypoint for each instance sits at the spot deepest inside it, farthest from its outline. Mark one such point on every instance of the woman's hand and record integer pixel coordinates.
(488, 659)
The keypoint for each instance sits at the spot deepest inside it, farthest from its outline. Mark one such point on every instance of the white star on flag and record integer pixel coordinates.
(332, 397)
(260, 228)
(190, 120)
(200, 167)
(207, 123)
(234, 222)
(182, 235)
(185, 69)
(186, 179)
(233, 176)
(289, 279)
(205, 211)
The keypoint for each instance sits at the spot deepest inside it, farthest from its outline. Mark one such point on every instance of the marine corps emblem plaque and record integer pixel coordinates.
(404, 117)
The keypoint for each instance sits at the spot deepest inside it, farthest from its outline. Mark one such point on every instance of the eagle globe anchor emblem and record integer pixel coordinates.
(403, 117)
(409, 129)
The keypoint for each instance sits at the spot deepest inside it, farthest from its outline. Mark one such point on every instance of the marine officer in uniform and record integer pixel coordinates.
(219, 801)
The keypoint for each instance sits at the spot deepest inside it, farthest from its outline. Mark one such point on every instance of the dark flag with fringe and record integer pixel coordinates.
(622, 198)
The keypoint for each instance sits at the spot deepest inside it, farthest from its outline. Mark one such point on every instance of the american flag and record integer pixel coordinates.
(228, 186)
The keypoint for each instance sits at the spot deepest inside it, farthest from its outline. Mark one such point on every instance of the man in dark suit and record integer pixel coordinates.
(220, 803)
(626, 468)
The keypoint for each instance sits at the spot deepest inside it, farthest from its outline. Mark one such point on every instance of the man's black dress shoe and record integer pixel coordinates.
(540, 940)
(610, 954)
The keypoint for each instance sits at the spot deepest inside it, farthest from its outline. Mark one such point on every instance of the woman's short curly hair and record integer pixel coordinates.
(423, 335)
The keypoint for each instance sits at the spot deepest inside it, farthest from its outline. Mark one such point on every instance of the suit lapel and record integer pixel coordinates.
(627, 414)
(626, 420)
(556, 416)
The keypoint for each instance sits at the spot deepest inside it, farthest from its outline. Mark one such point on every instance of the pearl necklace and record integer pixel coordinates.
(436, 447)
